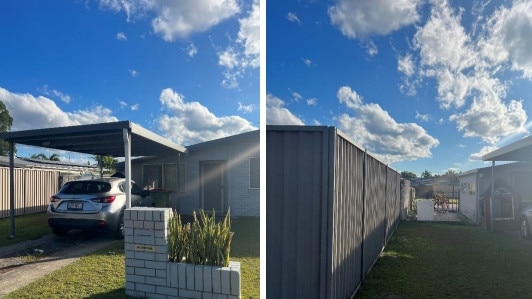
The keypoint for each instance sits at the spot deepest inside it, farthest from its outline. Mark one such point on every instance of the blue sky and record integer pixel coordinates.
(421, 84)
(187, 70)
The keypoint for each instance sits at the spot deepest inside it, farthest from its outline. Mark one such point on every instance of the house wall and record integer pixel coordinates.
(469, 196)
(515, 175)
(236, 152)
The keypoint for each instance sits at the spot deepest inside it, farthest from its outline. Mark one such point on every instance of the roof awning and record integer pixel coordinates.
(518, 151)
(105, 139)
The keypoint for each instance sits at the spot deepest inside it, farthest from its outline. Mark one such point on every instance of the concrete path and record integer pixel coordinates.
(25, 262)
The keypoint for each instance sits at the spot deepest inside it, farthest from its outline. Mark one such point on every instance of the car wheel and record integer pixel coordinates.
(524, 229)
(120, 229)
(60, 232)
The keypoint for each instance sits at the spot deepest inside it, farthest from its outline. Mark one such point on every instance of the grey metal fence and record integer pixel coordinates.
(33, 189)
(330, 209)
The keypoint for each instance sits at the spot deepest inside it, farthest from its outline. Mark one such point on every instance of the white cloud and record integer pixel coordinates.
(133, 73)
(292, 17)
(123, 104)
(362, 18)
(373, 128)
(277, 114)
(296, 96)
(246, 108)
(190, 122)
(312, 102)
(484, 150)
(406, 65)
(30, 112)
(422, 117)
(466, 66)
(135, 107)
(307, 62)
(371, 48)
(52, 92)
(177, 19)
(509, 37)
(191, 50)
(121, 36)
(490, 119)
(245, 52)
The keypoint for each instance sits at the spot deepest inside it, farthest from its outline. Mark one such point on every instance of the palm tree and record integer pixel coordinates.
(105, 162)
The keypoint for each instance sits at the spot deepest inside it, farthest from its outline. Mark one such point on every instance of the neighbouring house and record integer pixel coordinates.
(511, 187)
(427, 187)
(217, 175)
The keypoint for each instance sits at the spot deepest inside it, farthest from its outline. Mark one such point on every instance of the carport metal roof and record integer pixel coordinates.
(518, 151)
(104, 139)
(117, 139)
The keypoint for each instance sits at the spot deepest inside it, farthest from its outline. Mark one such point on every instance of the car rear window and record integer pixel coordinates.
(85, 187)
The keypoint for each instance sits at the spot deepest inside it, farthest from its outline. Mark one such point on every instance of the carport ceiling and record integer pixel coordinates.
(104, 139)
(518, 151)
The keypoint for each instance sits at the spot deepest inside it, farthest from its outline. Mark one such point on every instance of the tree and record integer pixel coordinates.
(6, 121)
(408, 175)
(41, 156)
(426, 174)
(105, 162)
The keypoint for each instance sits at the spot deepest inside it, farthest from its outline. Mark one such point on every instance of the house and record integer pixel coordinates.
(512, 190)
(217, 175)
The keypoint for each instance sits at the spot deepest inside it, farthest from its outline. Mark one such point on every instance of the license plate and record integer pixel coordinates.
(75, 206)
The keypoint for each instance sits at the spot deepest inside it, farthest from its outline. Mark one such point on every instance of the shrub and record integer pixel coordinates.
(205, 241)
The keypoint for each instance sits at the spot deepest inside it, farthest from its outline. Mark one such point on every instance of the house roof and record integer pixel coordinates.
(104, 139)
(45, 164)
(518, 151)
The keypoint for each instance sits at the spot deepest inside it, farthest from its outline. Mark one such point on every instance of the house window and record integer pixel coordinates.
(156, 176)
(254, 173)
(152, 176)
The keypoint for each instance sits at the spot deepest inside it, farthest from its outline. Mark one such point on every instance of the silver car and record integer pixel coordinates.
(525, 220)
(93, 204)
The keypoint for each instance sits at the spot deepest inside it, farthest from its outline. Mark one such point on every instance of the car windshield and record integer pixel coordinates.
(85, 187)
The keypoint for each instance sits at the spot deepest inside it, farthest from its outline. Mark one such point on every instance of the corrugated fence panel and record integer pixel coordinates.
(347, 219)
(375, 211)
(4, 192)
(33, 189)
(330, 208)
(296, 178)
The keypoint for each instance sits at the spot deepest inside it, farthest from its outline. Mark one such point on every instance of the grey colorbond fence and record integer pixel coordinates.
(33, 189)
(330, 209)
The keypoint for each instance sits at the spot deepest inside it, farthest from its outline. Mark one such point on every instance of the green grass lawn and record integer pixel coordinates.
(27, 227)
(436, 260)
(102, 274)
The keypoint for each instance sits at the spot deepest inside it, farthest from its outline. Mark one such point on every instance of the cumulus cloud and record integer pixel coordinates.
(362, 18)
(466, 66)
(190, 122)
(244, 53)
(177, 19)
(30, 112)
(373, 128)
(191, 50)
(490, 119)
(508, 37)
(484, 150)
(278, 114)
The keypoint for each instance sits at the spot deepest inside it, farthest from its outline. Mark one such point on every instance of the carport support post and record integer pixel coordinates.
(127, 165)
(11, 190)
(492, 192)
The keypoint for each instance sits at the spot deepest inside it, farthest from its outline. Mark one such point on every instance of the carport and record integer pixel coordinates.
(519, 151)
(116, 139)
